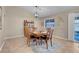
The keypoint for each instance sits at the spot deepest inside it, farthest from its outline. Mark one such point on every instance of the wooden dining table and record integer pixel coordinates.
(38, 34)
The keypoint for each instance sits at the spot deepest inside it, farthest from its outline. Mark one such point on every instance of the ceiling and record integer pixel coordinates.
(44, 11)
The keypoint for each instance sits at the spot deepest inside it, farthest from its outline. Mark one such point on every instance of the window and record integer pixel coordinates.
(49, 23)
(76, 28)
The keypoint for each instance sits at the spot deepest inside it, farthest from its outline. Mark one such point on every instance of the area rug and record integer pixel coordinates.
(42, 48)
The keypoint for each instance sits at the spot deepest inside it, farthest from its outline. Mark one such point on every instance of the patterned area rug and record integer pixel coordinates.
(42, 48)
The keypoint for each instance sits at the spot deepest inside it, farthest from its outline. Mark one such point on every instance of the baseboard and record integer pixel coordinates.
(54, 36)
(10, 37)
(58, 37)
(2, 45)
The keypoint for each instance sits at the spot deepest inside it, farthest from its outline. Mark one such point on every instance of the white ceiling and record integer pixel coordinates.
(48, 10)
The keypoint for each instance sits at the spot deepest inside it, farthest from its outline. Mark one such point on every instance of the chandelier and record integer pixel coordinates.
(36, 12)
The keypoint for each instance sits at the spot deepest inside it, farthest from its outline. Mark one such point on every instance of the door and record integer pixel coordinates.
(76, 28)
(73, 27)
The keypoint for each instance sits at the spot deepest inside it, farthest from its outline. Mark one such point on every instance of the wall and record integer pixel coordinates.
(14, 18)
(0, 19)
(38, 24)
(61, 25)
(61, 28)
(2, 29)
(0, 38)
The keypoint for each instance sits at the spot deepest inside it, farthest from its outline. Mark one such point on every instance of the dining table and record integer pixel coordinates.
(41, 36)
(38, 33)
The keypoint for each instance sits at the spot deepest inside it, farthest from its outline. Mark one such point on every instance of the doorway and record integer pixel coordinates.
(76, 28)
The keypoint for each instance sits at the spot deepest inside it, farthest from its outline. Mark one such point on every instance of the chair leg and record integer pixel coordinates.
(36, 41)
(51, 42)
(46, 44)
(40, 42)
(28, 42)
(25, 41)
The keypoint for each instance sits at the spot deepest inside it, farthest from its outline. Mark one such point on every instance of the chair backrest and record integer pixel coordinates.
(32, 29)
(26, 32)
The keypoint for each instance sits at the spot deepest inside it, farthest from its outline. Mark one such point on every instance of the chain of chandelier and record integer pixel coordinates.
(36, 12)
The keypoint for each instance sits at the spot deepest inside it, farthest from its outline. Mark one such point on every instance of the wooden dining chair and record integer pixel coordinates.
(28, 32)
(50, 34)
(30, 36)
(47, 37)
(27, 35)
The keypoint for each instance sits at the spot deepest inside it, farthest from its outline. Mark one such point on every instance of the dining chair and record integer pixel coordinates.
(30, 36)
(47, 37)
(27, 35)
(50, 34)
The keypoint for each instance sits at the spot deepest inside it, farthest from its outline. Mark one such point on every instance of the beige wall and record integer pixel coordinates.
(14, 18)
(0, 38)
(2, 28)
(38, 24)
(61, 28)
(61, 24)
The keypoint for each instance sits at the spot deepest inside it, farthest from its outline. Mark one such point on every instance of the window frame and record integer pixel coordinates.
(46, 20)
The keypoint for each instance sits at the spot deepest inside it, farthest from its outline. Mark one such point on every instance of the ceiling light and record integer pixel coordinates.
(36, 12)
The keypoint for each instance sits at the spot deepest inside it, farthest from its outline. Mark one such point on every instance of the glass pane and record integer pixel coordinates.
(49, 23)
(76, 29)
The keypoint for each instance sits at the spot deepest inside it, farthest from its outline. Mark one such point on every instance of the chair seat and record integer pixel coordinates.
(44, 37)
(32, 36)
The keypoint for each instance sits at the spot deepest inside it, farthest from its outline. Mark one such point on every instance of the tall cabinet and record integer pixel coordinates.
(73, 27)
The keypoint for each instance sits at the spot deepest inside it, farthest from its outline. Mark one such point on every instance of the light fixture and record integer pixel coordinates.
(36, 15)
(36, 12)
